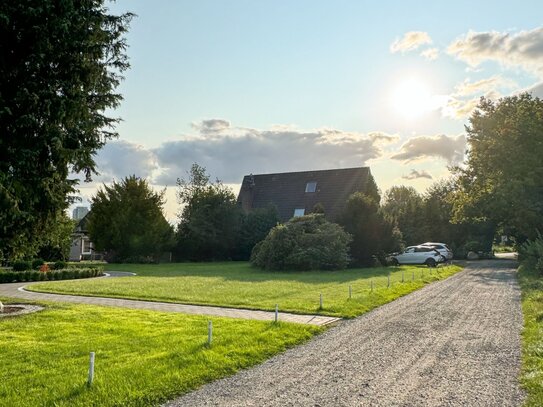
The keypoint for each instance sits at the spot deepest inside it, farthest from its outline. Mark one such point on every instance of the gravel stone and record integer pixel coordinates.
(452, 343)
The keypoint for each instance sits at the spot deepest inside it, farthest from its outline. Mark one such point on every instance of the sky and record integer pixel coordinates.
(244, 87)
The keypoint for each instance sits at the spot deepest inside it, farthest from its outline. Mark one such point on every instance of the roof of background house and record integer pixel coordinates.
(287, 191)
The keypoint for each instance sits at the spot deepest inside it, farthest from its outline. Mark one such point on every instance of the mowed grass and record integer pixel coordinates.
(532, 336)
(238, 285)
(142, 357)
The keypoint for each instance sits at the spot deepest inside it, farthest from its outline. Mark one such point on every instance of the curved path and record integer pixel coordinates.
(452, 343)
(16, 290)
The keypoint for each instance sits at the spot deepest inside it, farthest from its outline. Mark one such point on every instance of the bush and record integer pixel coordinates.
(304, 243)
(59, 265)
(37, 263)
(22, 265)
(531, 253)
(473, 246)
(33, 275)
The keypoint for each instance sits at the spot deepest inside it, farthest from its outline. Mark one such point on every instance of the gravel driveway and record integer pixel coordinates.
(453, 343)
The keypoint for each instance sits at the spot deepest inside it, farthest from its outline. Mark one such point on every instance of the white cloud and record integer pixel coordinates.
(449, 148)
(536, 90)
(118, 159)
(410, 41)
(231, 152)
(523, 49)
(414, 174)
(468, 88)
(430, 54)
(460, 108)
(465, 98)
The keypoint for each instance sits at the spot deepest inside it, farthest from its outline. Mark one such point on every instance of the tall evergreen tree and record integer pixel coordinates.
(60, 63)
(126, 221)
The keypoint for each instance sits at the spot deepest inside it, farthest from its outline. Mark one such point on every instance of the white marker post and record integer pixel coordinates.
(321, 301)
(276, 312)
(388, 281)
(209, 332)
(350, 292)
(91, 370)
(371, 281)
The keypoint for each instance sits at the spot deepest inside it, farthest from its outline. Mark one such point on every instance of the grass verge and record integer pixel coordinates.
(532, 336)
(238, 285)
(142, 357)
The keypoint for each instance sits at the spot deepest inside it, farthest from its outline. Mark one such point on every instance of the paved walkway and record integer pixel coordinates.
(455, 342)
(16, 290)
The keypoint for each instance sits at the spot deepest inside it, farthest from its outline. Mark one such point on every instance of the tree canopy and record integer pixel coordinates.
(127, 222)
(502, 181)
(373, 233)
(210, 220)
(405, 206)
(60, 63)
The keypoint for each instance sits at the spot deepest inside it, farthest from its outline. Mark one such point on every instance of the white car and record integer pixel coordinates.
(418, 255)
(442, 248)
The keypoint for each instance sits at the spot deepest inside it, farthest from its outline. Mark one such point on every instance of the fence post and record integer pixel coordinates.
(90, 379)
(320, 301)
(388, 281)
(209, 332)
(276, 312)
(350, 292)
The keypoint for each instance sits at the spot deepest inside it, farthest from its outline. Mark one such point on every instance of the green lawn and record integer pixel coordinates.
(532, 335)
(236, 284)
(142, 357)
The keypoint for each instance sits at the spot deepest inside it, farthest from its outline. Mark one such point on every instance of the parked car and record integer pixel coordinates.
(442, 248)
(418, 255)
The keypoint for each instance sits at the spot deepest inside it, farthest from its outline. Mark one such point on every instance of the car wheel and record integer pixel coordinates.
(395, 262)
(430, 262)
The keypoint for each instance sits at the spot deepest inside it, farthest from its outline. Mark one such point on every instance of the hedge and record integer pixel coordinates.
(64, 274)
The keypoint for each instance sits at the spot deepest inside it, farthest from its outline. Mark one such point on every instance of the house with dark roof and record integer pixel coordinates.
(297, 193)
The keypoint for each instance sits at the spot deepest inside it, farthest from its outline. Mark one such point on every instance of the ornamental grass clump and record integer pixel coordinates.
(303, 243)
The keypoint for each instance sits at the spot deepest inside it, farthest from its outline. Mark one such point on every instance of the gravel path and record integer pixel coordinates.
(453, 343)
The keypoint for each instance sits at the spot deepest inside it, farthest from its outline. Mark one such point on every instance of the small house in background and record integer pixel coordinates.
(299, 193)
(82, 247)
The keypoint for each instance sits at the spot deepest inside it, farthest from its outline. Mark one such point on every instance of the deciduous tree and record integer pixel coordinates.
(210, 220)
(502, 180)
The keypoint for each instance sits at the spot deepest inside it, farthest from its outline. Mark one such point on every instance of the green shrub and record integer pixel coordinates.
(59, 265)
(304, 243)
(22, 265)
(532, 249)
(37, 263)
(33, 275)
(473, 246)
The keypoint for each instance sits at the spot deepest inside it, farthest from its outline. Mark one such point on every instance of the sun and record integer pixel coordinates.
(412, 98)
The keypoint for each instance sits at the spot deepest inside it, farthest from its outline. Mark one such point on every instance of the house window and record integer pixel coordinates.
(299, 212)
(86, 246)
(311, 186)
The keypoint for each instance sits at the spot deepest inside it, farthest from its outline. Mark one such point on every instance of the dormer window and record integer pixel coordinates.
(311, 186)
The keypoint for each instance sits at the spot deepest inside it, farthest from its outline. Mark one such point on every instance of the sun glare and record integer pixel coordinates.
(412, 98)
